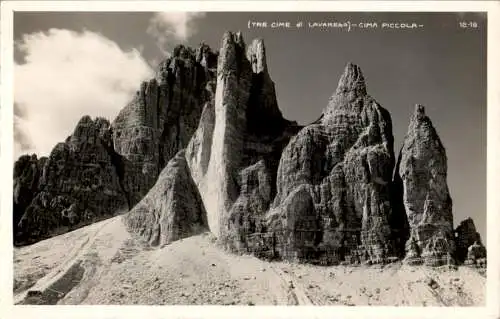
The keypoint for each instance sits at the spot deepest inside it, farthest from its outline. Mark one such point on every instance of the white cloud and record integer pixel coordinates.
(168, 27)
(66, 75)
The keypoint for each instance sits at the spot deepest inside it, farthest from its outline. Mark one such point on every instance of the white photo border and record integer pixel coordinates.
(492, 308)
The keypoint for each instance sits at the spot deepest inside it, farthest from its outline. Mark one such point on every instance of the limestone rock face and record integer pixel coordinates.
(466, 236)
(398, 219)
(345, 162)
(428, 205)
(163, 116)
(78, 184)
(234, 77)
(476, 255)
(239, 140)
(172, 209)
(204, 146)
(270, 187)
(27, 171)
(105, 169)
(233, 148)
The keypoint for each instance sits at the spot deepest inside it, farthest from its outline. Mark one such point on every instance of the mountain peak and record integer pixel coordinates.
(256, 54)
(232, 50)
(352, 80)
(419, 111)
(233, 38)
(420, 121)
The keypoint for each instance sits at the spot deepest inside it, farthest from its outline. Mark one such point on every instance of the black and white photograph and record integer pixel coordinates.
(249, 158)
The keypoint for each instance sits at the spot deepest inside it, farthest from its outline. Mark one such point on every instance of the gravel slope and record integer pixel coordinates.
(103, 264)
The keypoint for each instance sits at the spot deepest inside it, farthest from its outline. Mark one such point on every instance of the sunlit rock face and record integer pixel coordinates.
(428, 205)
(476, 255)
(234, 154)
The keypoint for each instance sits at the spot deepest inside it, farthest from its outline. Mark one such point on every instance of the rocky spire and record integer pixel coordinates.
(351, 89)
(428, 205)
(231, 54)
(222, 162)
(345, 161)
(239, 139)
(208, 134)
(465, 236)
(256, 54)
(352, 80)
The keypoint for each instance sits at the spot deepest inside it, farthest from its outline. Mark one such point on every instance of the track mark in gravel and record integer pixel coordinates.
(128, 250)
(438, 291)
(296, 293)
(438, 297)
(44, 286)
(56, 291)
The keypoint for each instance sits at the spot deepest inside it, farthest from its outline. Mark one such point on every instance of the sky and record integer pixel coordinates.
(71, 64)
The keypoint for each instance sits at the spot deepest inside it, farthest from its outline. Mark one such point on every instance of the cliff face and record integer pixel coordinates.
(338, 172)
(76, 185)
(104, 169)
(322, 193)
(234, 153)
(162, 117)
(245, 127)
(27, 172)
(204, 146)
(469, 246)
(172, 209)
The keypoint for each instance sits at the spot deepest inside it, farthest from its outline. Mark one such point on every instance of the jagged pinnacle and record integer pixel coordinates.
(419, 115)
(419, 110)
(233, 38)
(351, 86)
(256, 54)
(352, 80)
(232, 49)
